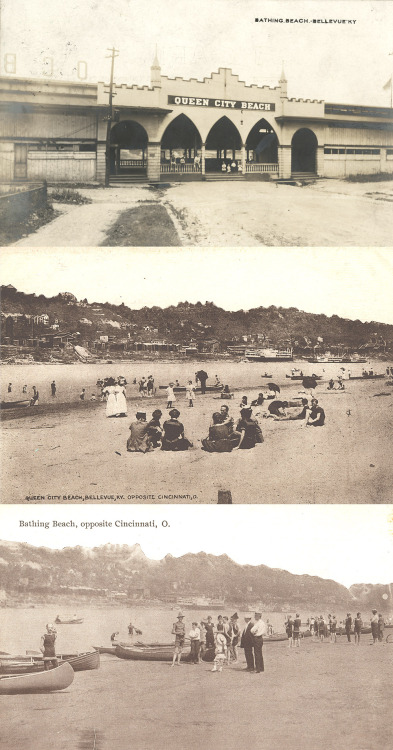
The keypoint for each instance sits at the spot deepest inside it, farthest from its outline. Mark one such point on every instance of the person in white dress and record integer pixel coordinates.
(190, 393)
(111, 403)
(170, 396)
(121, 403)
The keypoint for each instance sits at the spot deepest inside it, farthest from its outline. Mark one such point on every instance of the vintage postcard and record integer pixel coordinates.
(136, 626)
(113, 143)
(259, 375)
(210, 124)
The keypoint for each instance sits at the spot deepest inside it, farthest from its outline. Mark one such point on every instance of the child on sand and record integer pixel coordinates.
(170, 396)
(220, 652)
(190, 393)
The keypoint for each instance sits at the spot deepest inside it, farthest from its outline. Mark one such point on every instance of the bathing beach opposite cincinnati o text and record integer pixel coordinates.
(91, 525)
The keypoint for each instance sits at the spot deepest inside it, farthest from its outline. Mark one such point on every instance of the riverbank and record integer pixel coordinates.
(335, 695)
(78, 454)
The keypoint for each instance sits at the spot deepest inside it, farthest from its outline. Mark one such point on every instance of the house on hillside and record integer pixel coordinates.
(41, 319)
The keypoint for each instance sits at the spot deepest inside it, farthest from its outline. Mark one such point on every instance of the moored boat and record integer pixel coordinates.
(268, 355)
(47, 681)
(300, 377)
(18, 665)
(80, 662)
(105, 649)
(368, 376)
(14, 404)
(149, 653)
(35, 663)
(71, 621)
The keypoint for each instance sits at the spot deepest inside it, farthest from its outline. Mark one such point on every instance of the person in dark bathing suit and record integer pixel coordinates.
(173, 438)
(250, 431)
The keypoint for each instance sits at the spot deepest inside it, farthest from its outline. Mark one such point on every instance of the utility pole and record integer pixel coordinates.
(113, 53)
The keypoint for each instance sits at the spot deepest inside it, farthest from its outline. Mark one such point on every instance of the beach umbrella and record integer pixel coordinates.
(273, 387)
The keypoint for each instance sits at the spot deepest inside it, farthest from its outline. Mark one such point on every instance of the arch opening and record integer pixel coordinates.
(128, 148)
(262, 144)
(181, 146)
(304, 151)
(223, 146)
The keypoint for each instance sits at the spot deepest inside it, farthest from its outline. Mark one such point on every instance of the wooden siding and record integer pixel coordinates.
(45, 125)
(358, 137)
(7, 161)
(61, 167)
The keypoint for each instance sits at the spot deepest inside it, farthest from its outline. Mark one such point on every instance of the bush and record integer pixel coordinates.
(68, 195)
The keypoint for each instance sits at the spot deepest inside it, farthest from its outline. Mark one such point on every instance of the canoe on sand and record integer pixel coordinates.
(149, 653)
(58, 678)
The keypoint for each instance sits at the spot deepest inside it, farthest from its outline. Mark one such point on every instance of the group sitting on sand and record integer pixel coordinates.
(223, 436)
(146, 436)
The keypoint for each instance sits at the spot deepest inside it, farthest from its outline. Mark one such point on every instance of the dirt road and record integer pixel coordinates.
(328, 213)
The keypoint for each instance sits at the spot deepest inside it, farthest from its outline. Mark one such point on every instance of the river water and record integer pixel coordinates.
(22, 628)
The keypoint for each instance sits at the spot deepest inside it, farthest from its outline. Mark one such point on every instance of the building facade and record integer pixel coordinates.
(177, 129)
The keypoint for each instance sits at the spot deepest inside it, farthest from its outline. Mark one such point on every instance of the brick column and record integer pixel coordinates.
(319, 161)
(284, 162)
(153, 161)
(203, 166)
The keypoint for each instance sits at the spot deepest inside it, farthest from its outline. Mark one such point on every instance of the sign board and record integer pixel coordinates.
(197, 101)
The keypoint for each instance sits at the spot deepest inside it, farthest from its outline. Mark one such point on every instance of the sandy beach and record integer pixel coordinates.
(73, 453)
(319, 695)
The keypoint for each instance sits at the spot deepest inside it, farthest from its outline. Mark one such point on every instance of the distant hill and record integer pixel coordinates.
(121, 568)
(200, 322)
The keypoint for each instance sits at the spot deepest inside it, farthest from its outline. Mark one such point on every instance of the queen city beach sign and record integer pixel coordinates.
(194, 101)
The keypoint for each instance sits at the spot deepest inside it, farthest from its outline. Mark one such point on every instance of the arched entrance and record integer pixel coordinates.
(128, 148)
(304, 151)
(181, 146)
(262, 148)
(223, 145)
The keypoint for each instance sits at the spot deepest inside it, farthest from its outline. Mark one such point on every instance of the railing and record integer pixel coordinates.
(180, 168)
(261, 167)
(132, 163)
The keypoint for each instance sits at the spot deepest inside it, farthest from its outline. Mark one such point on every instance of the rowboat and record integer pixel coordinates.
(149, 653)
(112, 649)
(20, 666)
(47, 681)
(14, 404)
(106, 649)
(81, 662)
(300, 377)
(368, 377)
(72, 621)
(35, 662)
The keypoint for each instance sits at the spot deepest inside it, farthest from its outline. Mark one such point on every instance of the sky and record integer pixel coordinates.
(352, 283)
(346, 543)
(347, 63)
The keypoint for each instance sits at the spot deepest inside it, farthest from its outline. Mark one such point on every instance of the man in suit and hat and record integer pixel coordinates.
(258, 630)
(246, 642)
(179, 631)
